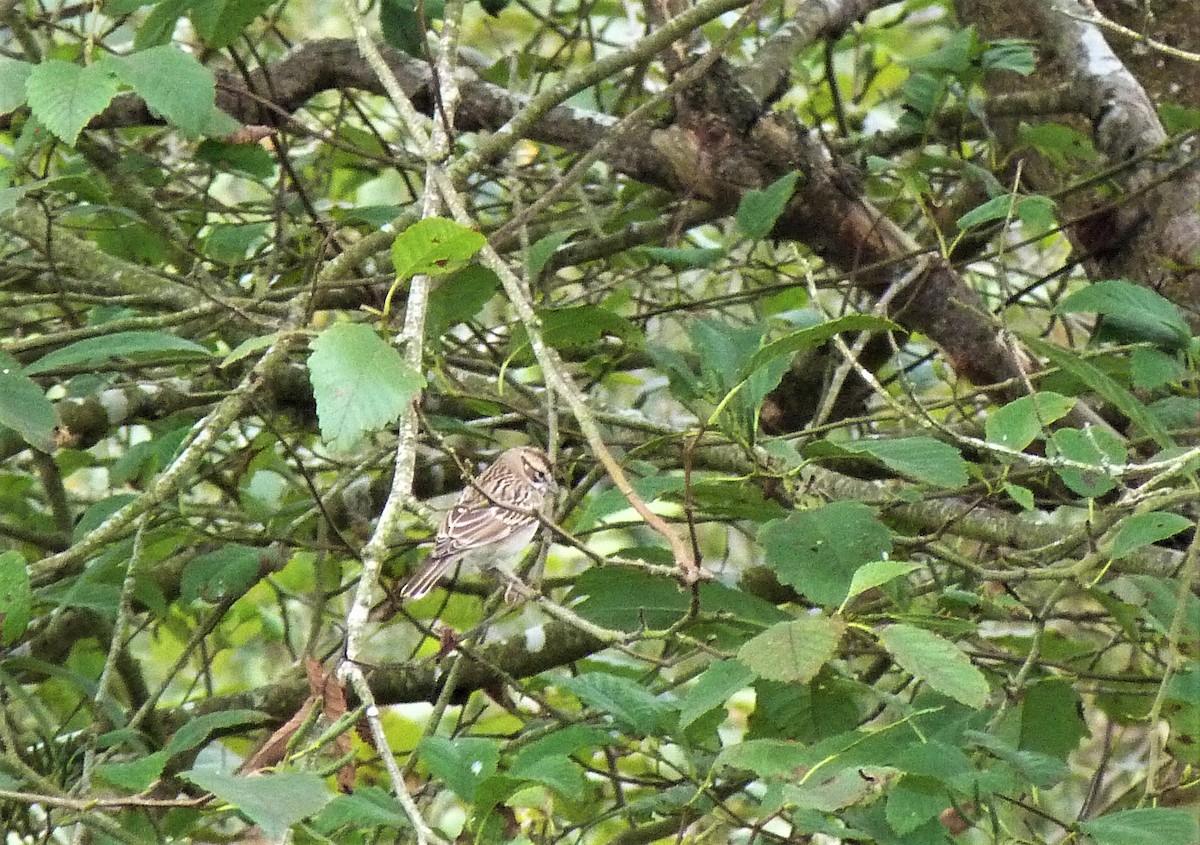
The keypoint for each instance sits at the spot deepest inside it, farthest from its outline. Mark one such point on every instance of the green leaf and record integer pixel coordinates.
(1094, 446)
(1104, 386)
(1063, 145)
(1143, 529)
(764, 757)
(1138, 312)
(359, 381)
(13, 77)
(627, 702)
(249, 346)
(793, 651)
(174, 85)
(817, 551)
(458, 298)
(227, 572)
(65, 96)
(853, 786)
(159, 25)
(953, 57)
(914, 801)
(24, 407)
(558, 745)
(462, 763)
(937, 662)
(134, 775)
(366, 807)
(877, 573)
(542, 251)
(401, 25)
(246, 159)
(997, 208)
(16, 596)
(96, 350)
(274, 802)
(434, 246)
(813, 336)
(198, 729)
(1023, 420)
(582, 325)
(712, 689)
(1147, 826)
(758, 210)
(919, 458)
(221, 22)
(1153, 368)
(1052, 719)
(1015, 54)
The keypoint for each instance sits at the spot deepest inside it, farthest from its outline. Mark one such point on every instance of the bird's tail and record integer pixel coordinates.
(435, 567)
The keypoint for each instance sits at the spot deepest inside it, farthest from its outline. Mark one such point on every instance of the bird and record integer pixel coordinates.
(494, 520)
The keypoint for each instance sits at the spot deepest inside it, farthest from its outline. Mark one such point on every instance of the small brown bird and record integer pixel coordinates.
(493, 521)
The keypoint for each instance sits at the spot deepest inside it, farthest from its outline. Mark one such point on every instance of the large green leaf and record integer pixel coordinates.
(24, 407)
(629, 703)
(16, 596)
(817, 551)
(877, 573)
(360, 383)
(367, 807)
(1145, 826)
(1023, 420)
(758, 210)
(919, 458)
(794, 651)
(712, 688)
(813, 336)
(1143, 529)
(13, 77)
(434, 246)
(1095, 446)
(1135, 312)
(1105, 387)
(174, 85)
(226, 572)
(1051, 718)
(462, 762)
(459, 297)
(64, 96)
(274, 801)
(97, 350)
(221, 22)
(937, 662)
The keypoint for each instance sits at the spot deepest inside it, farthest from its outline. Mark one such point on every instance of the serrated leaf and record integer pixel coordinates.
(1105, 387)
(712, 688)
(793, 651)
(683, 258)
(13, 77)
(876, 573)
(1142, 314)
(937, 662)
(627, 702)
(1147, 826)
(1015, 54)
(64, 96)
(1023, 420)
(1143, 529)
(359, 381)
(173, 84)
(813, 336)
(434, 246)
(542, 251)
(817, 551)
(853, 786)
(159, 25)
(96, 350)
(274, 802)
(1153, 368)
(249, 346)
(459, 297)
(24, 407)
(16, 596)
(997, 208)
(759, 210)
(462, 763)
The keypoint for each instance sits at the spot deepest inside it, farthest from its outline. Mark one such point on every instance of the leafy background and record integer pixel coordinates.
(866, 356)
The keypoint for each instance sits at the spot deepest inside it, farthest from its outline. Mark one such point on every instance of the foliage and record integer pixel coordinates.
(934, 597)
